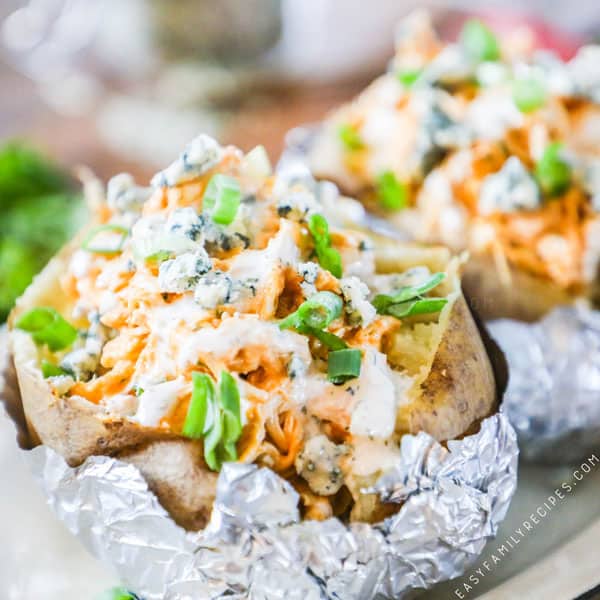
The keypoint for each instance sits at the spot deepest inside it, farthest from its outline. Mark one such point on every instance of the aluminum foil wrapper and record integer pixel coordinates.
(553, 394)
(255, 545)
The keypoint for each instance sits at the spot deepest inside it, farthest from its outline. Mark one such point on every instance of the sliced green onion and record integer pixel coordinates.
(407, 77)
(51, 370)
(529, 94)
(48, 327)
(416, 307)
(159, 256)
(222, 198)
(382, 301)
(201, 403)
(229, 397)
(552, 172)
(329, 258)
(343, 365)
(211, 444)
(118, 593)
(350, 138)
(391, 193)
(88, 242)
(330, 340)
(479, 41)
(320, 310)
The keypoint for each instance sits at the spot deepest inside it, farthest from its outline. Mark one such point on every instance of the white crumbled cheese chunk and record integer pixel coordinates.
(491, 113)
(451, 66)
(510, 189)
(375, 412)
(585, 72)
(201, 155)
(182, 273)
(591, 181)
(591, 255)
(123, 195)
(186, 222)
(157, 401)
(82, 363)
(152, 235)
(555, 73)
(359, 310)
(61, 384)
(298, 205)
(215, 289)
(319, 464)
(309, 271)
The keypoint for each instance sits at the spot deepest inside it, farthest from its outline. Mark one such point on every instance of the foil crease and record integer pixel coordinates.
(553, 394)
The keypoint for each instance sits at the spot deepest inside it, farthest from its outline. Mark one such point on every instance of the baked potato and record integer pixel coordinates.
(221, 315)
(483, 145)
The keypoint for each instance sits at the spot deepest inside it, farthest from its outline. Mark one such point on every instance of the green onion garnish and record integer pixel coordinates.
(410, 300)
(391, 193)
(222, 198)
(202, 401)
(215, 415)
(552, 172)
(88, 242)
(51, 370)
(529, 94)
(479, 41)
(329, 257)
(343, 365)
(330, 340)
(47, 327)
(407, 77)
(350, 138)
(118, 593)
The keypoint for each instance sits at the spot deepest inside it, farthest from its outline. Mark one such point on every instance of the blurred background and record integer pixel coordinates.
(122, 85)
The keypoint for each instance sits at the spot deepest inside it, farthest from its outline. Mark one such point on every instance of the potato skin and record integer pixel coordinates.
(460, 388)
(527, 298)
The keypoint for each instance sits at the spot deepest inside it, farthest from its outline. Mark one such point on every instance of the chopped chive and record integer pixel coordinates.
(552, 171)
(203, 398)
(222, 198)
(407, 77)
(391, 193)
(350, 138)
(529, 94)
(51, 370)
(330, 340)
(343, 365)
(479, 41)
(47, 327)
(320, 310)
(329, 257)
(88, 242)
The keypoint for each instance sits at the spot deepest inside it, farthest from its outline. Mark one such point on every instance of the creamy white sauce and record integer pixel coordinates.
(157, 401)
(370, 456)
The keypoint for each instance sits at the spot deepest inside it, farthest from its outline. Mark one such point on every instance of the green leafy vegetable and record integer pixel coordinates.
(88, 243)
(38, 213)
(410, 300)
(552, 171)
(215, 416)
(329, 257)
(222, 198)
(343, 365)
(47, 327)
(391, 193)
(350, 138)
(479, 41)
(408, 77)
(529, 94)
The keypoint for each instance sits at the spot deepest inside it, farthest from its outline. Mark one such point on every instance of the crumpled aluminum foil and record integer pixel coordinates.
(255, 545)
(553, 394)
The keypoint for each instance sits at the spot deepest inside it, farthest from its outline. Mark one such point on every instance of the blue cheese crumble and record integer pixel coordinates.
(509, 190)
(359, 310)
(309, 271)
(123, 195)
(201, 155)
(181, 274)
(298, 205)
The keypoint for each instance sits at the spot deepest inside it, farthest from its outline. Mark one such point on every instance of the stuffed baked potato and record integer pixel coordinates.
(216, 317)
(483, 146)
